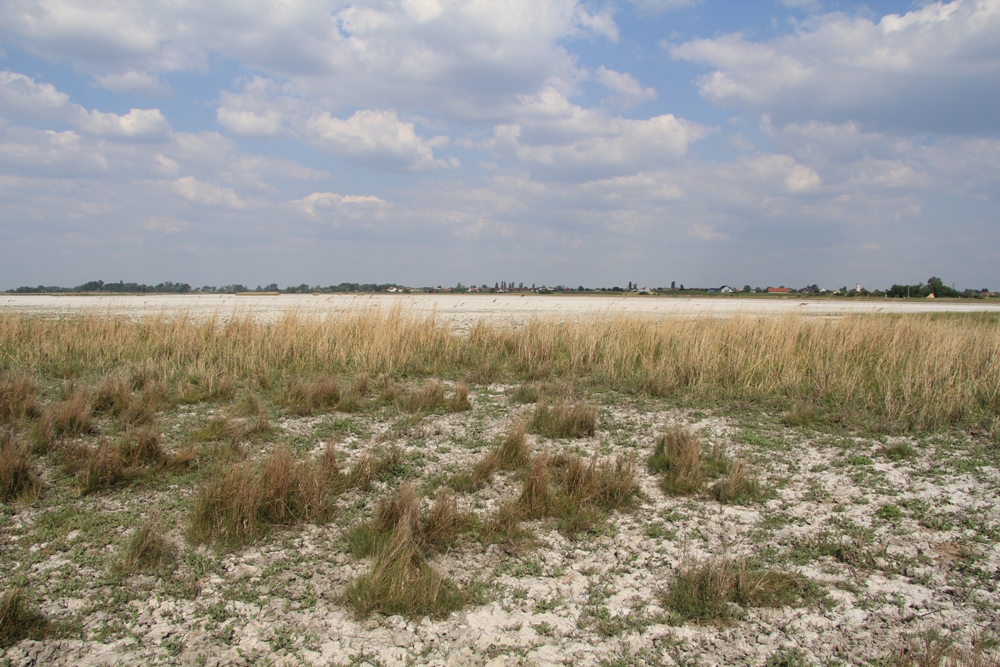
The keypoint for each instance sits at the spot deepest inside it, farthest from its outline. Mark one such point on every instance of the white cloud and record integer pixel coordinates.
(626, 90)
(808, 5)
(208, 194)
(335, 208)
(377, 138)
(22, 97)
(139, 83)
(136, 124)
(934, 69)
(660, 6)
(463, 60)
(568, 141)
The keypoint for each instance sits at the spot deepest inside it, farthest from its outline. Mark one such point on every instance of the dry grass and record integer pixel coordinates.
(401, 581)
(564, 420)
(716, 590)
(459, 400)
(685, 468)
(425, 398)
(305, 397)
(677, 456)
(901, 372)
(17, 476)
(18, 620)
(18, 398)
(511, 453)
(240, 503)
(146, 551)
(936, 651)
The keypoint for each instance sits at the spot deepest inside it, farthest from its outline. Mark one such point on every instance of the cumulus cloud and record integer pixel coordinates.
(568, 141)
(24, 98)
(209, 194)
(333, 208)
(136, 124)
(377, 138)
(460, 59)
(625, 90)
(934, 69)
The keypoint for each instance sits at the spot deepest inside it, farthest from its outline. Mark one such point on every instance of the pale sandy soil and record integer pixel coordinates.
(463, 309)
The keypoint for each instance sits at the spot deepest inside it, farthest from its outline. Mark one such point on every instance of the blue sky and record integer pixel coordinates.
(422, 142)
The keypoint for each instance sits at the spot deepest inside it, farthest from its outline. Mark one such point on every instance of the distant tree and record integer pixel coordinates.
(673, 284)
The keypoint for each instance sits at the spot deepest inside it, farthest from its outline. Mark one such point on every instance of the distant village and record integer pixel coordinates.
(932, 289)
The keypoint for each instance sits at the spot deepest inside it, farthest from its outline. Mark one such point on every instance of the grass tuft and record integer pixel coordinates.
(17, 478)
(685, 469)
(937, 651)
(147, 551)
(459, 400)
(716, 590)
(511, 453)
(18, 620)
(401, 581)
(304, 397)
(241, 503)
(18, 398)
(425, 398)
(677, 456)
(564, 420)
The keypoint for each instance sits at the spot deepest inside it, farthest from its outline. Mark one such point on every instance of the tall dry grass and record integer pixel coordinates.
(910, 371)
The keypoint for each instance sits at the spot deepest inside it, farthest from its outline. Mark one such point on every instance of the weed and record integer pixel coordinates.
(511, 453)
(141, 447)
(737, 486)
(709, 591)
(18, 620)
(17, 478)
(564, 420)
(898, 451)
(889, 512)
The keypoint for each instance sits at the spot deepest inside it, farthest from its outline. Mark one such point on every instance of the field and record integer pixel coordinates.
(392, 487)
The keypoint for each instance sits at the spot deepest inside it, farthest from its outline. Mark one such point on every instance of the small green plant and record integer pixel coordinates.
(18, 620)
(889, 512)
(564, 420)
(898, 451)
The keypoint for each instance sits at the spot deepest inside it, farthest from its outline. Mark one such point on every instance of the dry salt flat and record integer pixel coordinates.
(896, 547)
(464, 309)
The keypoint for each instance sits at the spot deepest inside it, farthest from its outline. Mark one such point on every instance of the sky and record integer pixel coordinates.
(431, 142)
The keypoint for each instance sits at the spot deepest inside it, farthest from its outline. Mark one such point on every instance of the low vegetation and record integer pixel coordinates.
(199, 473)
(718, 590)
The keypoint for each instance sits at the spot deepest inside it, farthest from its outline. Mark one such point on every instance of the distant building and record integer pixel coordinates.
(778, 290)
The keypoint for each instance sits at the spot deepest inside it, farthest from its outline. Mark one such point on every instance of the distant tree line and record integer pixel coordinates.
(934, 286)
